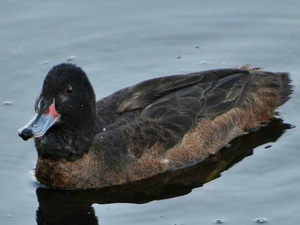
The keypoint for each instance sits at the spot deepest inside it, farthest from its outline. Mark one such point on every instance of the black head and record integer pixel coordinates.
(64, 123)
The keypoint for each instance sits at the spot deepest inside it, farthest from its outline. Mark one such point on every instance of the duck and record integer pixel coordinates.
(149, 128)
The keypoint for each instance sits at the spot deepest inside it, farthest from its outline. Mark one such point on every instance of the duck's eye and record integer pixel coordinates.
(69, 90)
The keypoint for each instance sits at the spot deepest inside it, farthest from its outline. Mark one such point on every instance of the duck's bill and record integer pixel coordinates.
(41, 122)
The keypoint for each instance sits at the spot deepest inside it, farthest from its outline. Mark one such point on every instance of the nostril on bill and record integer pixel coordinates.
(25, 134)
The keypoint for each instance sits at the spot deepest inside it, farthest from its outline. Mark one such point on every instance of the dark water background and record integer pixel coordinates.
(119, 43)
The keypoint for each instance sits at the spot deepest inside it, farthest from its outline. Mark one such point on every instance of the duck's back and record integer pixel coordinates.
(170, 121)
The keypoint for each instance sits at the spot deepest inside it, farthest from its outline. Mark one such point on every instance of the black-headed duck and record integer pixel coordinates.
(143, 130)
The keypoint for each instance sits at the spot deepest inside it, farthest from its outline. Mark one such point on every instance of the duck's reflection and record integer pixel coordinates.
(75, 207)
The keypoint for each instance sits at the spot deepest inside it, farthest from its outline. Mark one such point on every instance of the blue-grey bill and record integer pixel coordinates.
(37, 126)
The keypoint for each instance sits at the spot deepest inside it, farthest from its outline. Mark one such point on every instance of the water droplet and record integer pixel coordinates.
(44, 62)
(261, 220)
(7, 103)
(203, 62)
(71, 58)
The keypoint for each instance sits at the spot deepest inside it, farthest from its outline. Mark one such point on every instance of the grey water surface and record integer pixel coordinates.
(121, 42)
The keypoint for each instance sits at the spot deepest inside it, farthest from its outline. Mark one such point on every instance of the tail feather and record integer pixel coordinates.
(286, 88)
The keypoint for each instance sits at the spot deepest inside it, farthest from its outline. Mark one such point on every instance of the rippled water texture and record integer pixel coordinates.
(119, 43)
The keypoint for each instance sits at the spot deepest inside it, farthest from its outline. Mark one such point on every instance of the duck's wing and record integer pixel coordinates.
(207, 100)
(126, 104)
(167, 118)
(147, 92)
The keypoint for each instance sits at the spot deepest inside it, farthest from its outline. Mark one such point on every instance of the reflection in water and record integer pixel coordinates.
(75, 207)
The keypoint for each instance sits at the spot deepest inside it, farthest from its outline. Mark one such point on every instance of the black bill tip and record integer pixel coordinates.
(25, 134)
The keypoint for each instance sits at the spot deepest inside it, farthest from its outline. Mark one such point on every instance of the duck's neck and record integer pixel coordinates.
(62, 143)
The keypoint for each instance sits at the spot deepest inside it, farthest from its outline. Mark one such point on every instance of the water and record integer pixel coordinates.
(119, 43)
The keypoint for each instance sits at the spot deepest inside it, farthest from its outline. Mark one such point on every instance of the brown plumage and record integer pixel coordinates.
(145, 129)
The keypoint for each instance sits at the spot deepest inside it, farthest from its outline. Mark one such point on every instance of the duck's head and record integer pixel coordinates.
(64, 121)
